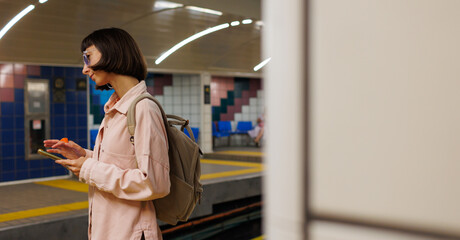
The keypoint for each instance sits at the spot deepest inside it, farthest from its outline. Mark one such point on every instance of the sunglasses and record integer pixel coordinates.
(85, 57)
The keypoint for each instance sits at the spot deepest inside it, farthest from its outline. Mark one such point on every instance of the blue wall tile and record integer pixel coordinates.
(8, 164)
(82, 121)
(19, 108)
(19, 123)
(71, 120)
(7, 176)
(81, 108)
(19, 95)
(46, 71)
(58, 71)
(70, 82)
(7, 109)
(7, 122)
(35, 164)
(19, 136)
(21, 164)
(72, 108)
(59, 108)
(20, 150)
(72, 133)
(35, 173)
(81, 96)
(70, 96)
(20, 175)
(59, 121)
(7, 136)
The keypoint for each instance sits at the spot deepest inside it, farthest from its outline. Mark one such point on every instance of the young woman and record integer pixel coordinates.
(123, 177)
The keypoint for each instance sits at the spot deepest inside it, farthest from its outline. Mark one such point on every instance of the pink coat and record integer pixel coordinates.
(124, 178)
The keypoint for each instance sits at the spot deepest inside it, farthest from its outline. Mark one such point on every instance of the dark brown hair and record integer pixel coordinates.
(120, 53)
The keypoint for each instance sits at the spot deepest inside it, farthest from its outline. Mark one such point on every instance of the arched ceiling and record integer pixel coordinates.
(52, 32)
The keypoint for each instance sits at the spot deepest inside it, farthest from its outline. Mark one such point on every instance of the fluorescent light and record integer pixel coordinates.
(166, 4)
(189, 39)
(204, 10)
(15, 20)
(43, 1)
(262, 64)
(247, 21)
(235, 23)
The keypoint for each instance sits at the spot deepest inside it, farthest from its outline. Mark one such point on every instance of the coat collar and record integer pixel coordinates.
(123, 104)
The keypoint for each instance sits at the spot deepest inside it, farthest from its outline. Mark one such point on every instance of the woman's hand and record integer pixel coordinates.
(73, 165)
(70, 150)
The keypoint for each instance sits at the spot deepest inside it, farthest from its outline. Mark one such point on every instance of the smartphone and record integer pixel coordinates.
(47, 154)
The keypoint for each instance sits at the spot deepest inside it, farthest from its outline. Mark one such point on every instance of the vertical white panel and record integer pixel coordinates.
(385, 112)
(284, 185)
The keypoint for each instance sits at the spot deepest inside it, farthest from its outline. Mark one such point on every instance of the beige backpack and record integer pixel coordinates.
(184, 164)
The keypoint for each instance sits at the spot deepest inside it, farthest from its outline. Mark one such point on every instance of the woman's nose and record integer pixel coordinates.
(85, 70)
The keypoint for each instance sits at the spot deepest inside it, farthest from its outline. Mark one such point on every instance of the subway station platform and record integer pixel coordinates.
(58, 209)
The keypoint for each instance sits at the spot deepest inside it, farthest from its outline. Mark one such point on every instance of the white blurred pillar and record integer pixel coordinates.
(284, 40)
(206, 116)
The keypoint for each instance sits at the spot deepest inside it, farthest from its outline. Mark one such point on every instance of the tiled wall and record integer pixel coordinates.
(67, 119)
(236, 99)
(179, 94)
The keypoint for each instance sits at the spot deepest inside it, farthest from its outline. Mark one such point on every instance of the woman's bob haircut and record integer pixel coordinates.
(120, 53)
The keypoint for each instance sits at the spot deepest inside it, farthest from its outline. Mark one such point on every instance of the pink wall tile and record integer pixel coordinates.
(6, 81)
(7, 95)
(231, 110)
(245, 94)
(33, 70)
(158, 90)
(150, 90)
(253, 93)
(222, 94)
(20, 69)
(215, 101)
(19, 81)
(6, 68)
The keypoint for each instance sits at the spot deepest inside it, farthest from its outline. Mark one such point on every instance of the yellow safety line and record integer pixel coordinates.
(241, 153)
(229, 173)
(43, 211)
(231, 163)
(81, 187)
(66, 184)
(258, 238)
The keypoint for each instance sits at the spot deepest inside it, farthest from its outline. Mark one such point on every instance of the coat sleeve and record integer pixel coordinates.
(151, 179)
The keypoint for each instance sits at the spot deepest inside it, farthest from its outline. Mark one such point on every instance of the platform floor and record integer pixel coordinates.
(42, 201)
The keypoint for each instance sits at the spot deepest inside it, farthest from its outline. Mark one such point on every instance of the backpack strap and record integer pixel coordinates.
(131, 115)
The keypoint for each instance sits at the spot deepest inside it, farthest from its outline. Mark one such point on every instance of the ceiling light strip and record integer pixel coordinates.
(15, 20)
(204, 10)
(262, 64)
(189, 39)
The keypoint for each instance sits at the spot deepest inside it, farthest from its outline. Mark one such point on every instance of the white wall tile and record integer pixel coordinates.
(160, 99)
(168, 99)
(186, 109)
(167, 91)
(177, 90)
(195, 90)
(253, 117)
(253, 109)
(177, 80)
(177, 109)
(168, 108)
(195, 109)
(186, 81)
(260, 93)
(195, 99)
(253, 101)
(245, 109)
(245, 117)
(186, 100)
(195, 81)
(177, 99)
(186, 91)
(238, 117)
